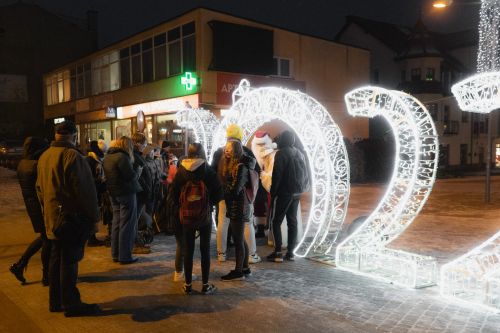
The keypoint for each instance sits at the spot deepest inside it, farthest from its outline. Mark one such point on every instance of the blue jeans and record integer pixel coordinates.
(124, 227)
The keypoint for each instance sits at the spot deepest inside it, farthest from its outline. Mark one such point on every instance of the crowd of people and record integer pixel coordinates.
(138, 189)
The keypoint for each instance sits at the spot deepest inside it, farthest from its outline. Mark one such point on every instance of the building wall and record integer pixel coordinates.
(33, 42)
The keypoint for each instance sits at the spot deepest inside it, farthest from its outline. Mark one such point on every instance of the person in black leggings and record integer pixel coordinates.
(194, 171)
(234, 170)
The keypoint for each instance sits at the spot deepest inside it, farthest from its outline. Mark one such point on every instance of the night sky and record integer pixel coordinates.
(122, 18)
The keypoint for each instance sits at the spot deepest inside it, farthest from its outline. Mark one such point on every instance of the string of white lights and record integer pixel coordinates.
(202, 122)
(415, 166)
(323, 144)
(488, 55)
(474, 278)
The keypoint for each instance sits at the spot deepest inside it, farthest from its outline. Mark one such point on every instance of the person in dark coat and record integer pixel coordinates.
(68, 198)
(94, 157)
(27, 174)
(234, 171)
(285, 196)
(195, 167)
(122, 183)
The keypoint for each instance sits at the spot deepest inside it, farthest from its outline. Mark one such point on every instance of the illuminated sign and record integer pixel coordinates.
(158, 107)
(58, 120)
(189, 80)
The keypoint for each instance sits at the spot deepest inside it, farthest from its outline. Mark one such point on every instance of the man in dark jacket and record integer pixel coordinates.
(67, 194)
(26, 174)
(285, 196)
(146, 181)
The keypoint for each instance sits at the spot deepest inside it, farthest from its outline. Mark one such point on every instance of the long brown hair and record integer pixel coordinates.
(229, 162)
(126, 144)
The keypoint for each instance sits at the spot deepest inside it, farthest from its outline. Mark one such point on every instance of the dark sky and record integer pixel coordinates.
(121, 18)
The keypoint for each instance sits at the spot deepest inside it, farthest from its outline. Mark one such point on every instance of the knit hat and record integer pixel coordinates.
(234, 131)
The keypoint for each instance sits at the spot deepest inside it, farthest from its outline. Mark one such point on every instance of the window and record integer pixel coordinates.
(147, 60)
(433, 110)
(160, 56)
(465, 117)
(125, 67)
(58, 87)
(415, 74)
(430, 74)
(174, 51)
(446, 114)
(135, 61)
(282, 67)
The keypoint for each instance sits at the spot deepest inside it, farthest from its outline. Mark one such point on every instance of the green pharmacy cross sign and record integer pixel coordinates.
(189, 80)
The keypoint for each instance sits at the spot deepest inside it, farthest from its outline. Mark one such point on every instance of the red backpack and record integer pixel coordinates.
(194, 205)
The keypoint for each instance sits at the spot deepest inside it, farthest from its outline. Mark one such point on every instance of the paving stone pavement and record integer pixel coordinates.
(303, 296)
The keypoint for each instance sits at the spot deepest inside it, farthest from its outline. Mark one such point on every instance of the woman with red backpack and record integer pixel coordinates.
(195, 190)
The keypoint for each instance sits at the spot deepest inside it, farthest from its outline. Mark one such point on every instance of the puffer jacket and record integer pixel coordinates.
(121, 179)
(27, 175)
(196, 169)
(64, 179)
(238, 206)
(283, 177)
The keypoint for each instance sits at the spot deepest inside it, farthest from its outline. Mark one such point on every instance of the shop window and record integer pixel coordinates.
(415, 74)
(122, 127)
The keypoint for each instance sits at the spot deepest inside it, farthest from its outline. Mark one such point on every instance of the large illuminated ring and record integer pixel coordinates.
(415, 167)
(323, 144)
(202, 122)
(475, 276)
(479, 93)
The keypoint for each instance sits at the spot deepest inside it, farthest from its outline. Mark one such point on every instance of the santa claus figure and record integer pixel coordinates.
(264, 150)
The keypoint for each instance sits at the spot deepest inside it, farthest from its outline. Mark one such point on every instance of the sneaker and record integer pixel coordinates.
(246, 272)
(289, 256)
(178, 276)
(82, 309)
(275, 257)
(233, 276)
(188, 289)
(221, 257)
(254, 258)
(208, 289)
(18, 270)
(141, 250)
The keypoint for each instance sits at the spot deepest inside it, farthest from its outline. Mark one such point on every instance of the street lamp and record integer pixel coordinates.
(441, 3)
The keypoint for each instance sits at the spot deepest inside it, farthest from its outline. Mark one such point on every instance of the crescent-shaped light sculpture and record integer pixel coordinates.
(415, 166)
(475, 276)
(202, 122)
(323, 144)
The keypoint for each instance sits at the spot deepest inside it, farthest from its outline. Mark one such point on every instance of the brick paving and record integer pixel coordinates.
(304, 296)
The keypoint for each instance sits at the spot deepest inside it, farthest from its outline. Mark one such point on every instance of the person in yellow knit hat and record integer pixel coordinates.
(234, 132)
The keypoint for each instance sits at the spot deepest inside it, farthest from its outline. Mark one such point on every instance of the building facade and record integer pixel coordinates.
(33, 41)
(426, 64)
(197, 60)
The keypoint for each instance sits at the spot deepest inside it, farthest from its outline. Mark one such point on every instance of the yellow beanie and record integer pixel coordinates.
(234, 132)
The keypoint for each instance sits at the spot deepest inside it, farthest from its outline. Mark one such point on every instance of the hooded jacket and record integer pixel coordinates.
(283, 178)
(196, 169)
(64, 179)
(27, 175)
(121, 179)
(238, 206)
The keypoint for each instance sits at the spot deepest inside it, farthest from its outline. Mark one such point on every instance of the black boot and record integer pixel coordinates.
(18, 269)
(260, 231)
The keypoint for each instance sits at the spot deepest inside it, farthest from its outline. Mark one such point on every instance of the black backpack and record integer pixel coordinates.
(300, 172)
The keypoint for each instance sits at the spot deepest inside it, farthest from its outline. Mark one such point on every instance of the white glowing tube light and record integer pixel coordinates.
(475, 277)
(323, 144)
(488, 54)
(415, 166)
(202, 122)
(479, 93)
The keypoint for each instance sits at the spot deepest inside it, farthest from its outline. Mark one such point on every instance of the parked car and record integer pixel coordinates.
(10, 153)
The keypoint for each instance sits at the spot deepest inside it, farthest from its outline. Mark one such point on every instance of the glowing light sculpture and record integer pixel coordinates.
(415, 166)
(474, 278)
(323, 144)
(202, 122)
